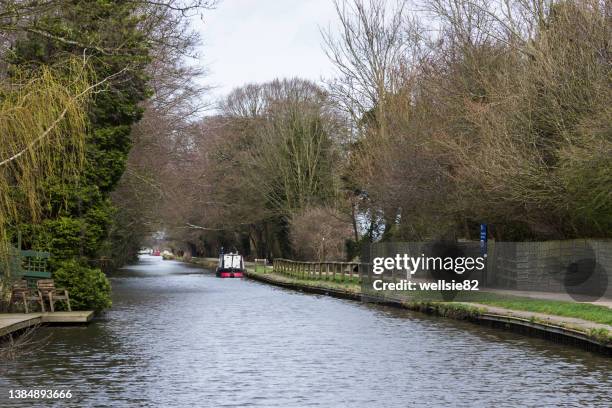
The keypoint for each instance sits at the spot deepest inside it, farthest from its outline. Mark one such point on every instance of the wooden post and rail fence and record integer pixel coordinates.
(318, 270)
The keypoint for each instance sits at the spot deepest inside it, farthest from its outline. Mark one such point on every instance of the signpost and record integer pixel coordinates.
(483, 240)
(483, 250)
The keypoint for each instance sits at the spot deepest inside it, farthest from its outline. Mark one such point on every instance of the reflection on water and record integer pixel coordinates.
(179, 337)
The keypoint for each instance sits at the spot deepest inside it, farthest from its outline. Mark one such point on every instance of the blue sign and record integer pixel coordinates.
(483, 239)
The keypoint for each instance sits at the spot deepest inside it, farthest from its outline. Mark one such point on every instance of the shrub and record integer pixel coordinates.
(89, 289)
(319, 234)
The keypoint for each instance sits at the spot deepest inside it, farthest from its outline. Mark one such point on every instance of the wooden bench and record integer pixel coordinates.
(21, 292)
(46, 288)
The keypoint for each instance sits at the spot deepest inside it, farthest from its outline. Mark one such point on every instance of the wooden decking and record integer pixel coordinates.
(11, 322)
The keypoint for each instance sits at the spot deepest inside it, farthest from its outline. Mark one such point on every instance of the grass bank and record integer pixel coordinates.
(584, 311)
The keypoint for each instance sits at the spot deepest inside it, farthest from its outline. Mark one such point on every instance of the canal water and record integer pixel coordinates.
(178, 337)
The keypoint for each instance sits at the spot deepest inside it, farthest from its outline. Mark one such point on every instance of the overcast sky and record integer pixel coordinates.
(259, 40)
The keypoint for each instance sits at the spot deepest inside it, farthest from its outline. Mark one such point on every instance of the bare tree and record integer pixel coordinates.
(320, 234)
(371, 47)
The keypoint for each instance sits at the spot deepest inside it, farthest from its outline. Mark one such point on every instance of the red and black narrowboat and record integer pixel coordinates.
(230, 266)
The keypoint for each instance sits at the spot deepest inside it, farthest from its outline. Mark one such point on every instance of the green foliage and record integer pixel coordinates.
(353, 248)
(601, 335)
(77, 212)
(67, 237)
(62, 236)
(89, 289)
(42, 126)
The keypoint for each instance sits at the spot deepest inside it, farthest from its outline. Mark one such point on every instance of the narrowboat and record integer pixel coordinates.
(230, 266)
